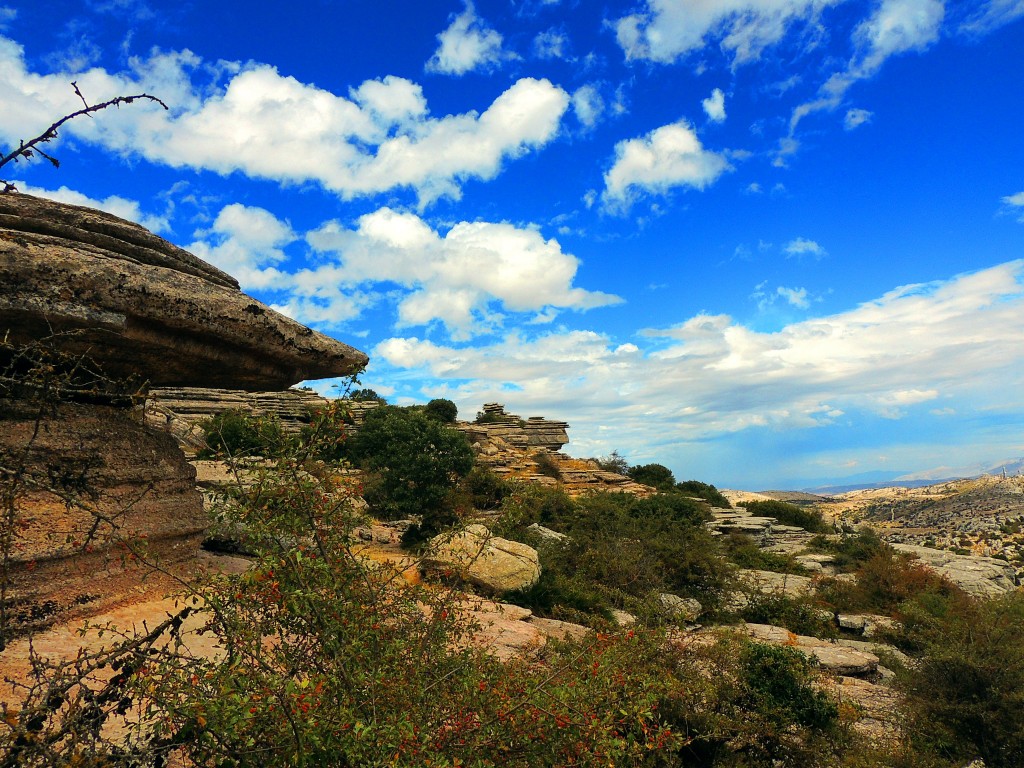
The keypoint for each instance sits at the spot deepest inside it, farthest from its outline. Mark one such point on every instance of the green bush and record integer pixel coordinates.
(613, 462)
(486, 489)
(704, 491)
(965, 694)
(851, 550)
(238, 433)
(790, 514)
(443, 410)
(655, 475)
(797, 615)
(743, 550)
(414, 462)
(546, 465)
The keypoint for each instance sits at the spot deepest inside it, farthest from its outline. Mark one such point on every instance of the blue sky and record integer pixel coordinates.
(763, 242)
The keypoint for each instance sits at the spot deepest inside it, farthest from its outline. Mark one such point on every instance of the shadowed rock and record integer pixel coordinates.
(144, 307)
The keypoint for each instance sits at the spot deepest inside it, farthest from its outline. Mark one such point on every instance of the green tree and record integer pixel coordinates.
(443, 410)
(655, 475)
(414, 462)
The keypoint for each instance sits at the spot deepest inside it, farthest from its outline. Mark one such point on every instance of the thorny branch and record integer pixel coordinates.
(26, 149)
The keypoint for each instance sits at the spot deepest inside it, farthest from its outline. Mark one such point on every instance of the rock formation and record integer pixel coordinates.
(476, 556)
(141, 306)
(535, 433)
(92, 490)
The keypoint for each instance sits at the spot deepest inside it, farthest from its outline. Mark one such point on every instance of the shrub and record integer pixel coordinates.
(366, 394)
(790, 514)
(443, 410)
(966, 692)
(239, 433)
(655, 475)
(797, 615)
(487, 491)
(546, 465)
(851, 550)
(613, 462)
(415, 462)
(704, 491)
(743, 550)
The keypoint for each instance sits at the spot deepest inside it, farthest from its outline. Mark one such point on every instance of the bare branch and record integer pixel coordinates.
(26, 149)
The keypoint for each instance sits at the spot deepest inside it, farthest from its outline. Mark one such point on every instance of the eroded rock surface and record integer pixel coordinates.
(100, 493)
(140, 306)
(978, 576)
(490, 562)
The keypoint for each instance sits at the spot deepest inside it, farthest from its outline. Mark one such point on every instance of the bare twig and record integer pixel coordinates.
(32, 146)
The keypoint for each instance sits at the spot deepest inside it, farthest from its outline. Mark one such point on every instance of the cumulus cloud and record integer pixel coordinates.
(665, 31)
(466, 279)
(266, 125)
(667, 157)
(800, 247)
(795, 296)
(709, 375)
(114, 204)
(467, 44)
(714, 106)
(246, 242)
(588, 105)
(1015, 204)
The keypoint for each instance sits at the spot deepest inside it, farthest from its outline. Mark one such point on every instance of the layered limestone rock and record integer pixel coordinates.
(139, 305)
(535, 433)
(99, 494)
(95, 491)
(978, 576)
(181, 411)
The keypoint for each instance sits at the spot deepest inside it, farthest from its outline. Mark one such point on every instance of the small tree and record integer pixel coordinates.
(655, 475)
(415, 462)
(443, 410)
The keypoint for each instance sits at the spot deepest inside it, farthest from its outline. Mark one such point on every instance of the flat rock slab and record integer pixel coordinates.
(478, 557)
(833, 658)
(140, 306)
(978, 576)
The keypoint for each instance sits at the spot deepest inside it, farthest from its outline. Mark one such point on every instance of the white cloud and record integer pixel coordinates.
(268, 126)
(588, 105)
(895, 27)
(551, 44)
(795, 296)
(114, 204)
(247, 243)
(1015, 204)
(665, 30)
(957, 339)
(753, 188)
(667, 157)
(992, 15)
(714, 106)
(466, 45)
(801, 246)
(465, 279)
(856, 118)
(7, 15)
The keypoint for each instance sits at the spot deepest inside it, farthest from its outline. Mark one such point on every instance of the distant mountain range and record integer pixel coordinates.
(881, 479)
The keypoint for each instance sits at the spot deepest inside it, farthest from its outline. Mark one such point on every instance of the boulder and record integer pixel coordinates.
(478, 557)
(140, 306)
(681, 608)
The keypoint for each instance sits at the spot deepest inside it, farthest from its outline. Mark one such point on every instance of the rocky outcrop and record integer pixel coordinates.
(100, 495)
(476, 556)
(140, 306)
(832, 657)
(535, 433)
(181, 411)
(978, 576)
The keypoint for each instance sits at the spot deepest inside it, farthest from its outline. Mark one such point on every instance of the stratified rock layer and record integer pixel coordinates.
(98, 493)
(142, 307)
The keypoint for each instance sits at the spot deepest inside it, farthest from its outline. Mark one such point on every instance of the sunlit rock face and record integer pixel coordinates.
(143, 307)
(96, 496)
